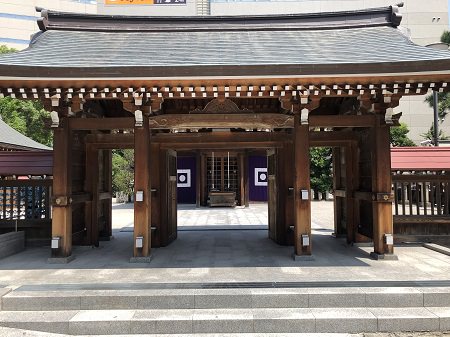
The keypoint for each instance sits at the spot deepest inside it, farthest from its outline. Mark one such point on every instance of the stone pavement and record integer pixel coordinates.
(229, 275)
(225, 256)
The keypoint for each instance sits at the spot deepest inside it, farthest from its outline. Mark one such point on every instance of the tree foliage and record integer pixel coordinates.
(321, 170)
(443, 104)
(399, 136)
(123, 171)
(443, 97)
(6, 50)
(28, 118)
(445, 37)
(430, 134)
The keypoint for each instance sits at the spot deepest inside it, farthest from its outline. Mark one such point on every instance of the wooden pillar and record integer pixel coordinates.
(142, 193)
(203, 177)
(156, 194)
(198, 177)
(382, 195)
(92, 187)
(106, 233)
(302, 206)
(351, 177)
(62, 191)
(338, 203)
(246, 181)
(241, 167)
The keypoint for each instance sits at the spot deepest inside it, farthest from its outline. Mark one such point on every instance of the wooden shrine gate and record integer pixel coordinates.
(247, 82)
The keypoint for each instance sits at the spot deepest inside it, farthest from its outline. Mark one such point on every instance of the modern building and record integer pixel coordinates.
(18, 17)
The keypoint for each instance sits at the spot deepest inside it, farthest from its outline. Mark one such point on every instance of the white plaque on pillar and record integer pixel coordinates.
(139, 196)
(304, 194)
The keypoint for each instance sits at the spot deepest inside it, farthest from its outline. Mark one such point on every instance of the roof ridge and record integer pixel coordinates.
(54, 20)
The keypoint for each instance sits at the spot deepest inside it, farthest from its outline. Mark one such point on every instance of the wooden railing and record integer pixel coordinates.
(422, 206)
(421, 194)
(25, 205)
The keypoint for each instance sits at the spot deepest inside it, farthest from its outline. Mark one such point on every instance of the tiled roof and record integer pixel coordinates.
(12, 139)
(75, 45)
(420, 158)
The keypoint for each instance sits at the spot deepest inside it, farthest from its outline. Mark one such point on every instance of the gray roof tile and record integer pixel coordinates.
(10, 138)
(113, 46)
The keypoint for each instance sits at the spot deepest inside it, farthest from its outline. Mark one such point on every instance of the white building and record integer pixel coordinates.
(18, 17)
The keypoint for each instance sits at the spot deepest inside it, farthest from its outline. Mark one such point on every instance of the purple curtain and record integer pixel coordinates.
(186, 180)
(257, 166)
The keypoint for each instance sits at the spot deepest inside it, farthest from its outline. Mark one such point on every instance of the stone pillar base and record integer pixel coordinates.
(60, 260)
(303, 257)
(387, 257)
(141, 259)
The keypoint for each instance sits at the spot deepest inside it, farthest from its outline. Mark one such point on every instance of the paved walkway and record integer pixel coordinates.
(224, 256)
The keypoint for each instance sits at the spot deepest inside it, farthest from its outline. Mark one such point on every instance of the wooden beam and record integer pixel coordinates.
(142, 184)
(244, 121)
(110, 123)
(342, 121)
(62, 190)
(302, 206)
(331, 138)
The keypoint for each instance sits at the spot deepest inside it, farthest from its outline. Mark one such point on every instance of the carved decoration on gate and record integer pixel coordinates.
(220, 106)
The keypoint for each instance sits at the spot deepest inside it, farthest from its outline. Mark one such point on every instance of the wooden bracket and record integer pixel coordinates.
(61, 201)
(383, 197)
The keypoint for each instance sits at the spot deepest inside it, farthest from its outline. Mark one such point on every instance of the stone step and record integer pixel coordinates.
(220, 321)
(10, 332)
(18, 300)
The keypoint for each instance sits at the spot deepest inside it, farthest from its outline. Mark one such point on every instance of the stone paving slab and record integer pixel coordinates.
(46, 321)
(101, 322)
(336, 297)
(349, 320)
(436, 296)
(393, 297)
(283, 320)
(223, 321)
(3, 292)
(405, 319)
(444, 317)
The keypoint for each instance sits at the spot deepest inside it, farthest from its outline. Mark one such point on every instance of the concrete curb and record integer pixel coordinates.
(437, 248)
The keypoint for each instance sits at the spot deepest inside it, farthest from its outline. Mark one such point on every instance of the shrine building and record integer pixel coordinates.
(220, 92)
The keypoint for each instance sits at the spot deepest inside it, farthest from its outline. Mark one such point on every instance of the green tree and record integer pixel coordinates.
(430, 134)
(321, 171)
(445, 37)
(27, 117)
(443, 97)
(6, 50)
(123, 171)
(399, 136)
